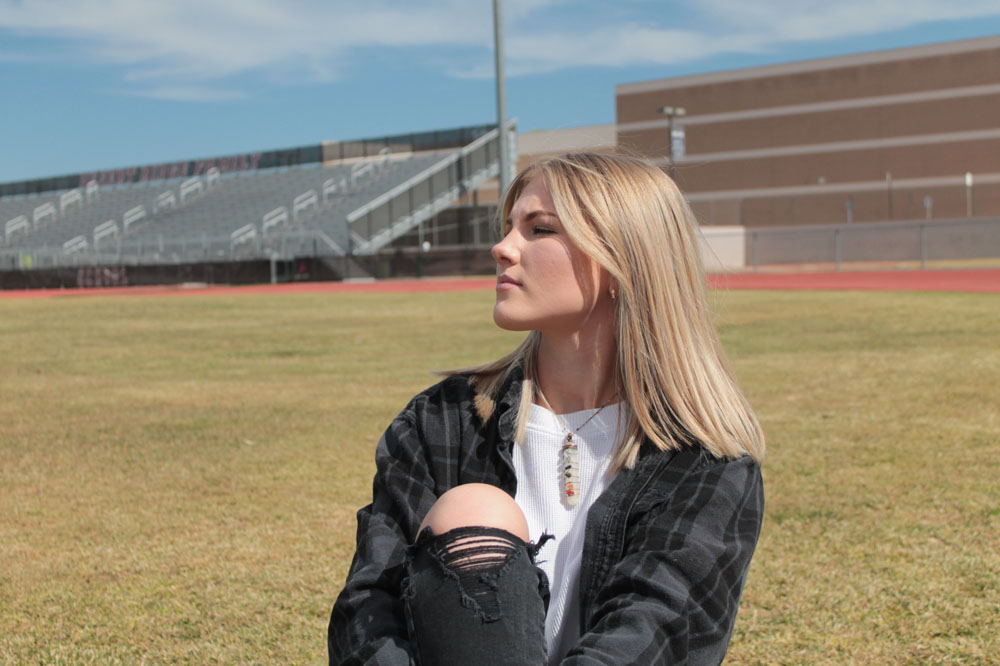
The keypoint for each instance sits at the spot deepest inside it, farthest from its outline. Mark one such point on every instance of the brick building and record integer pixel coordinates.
(905, 134)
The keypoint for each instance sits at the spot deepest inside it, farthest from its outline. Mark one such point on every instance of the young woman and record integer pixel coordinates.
(595, 496)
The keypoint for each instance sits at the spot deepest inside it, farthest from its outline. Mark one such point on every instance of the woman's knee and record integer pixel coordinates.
(476, 505)
(474, 594)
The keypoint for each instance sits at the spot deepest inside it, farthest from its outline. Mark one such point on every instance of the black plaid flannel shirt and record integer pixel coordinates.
(666, 552)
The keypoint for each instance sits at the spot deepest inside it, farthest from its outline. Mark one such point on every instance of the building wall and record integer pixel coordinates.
(865, 137)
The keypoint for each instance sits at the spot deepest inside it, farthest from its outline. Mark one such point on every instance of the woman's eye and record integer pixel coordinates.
(543, 230)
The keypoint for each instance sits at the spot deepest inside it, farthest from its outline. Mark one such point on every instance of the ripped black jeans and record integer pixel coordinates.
(473, 595)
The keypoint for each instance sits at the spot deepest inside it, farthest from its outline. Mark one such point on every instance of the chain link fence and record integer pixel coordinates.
(906, 244)
(458, 242)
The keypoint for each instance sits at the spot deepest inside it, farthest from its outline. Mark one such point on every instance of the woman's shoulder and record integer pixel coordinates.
(456, 393)
(693, 456)
(694, 467)
(470, 390)
(454, 388)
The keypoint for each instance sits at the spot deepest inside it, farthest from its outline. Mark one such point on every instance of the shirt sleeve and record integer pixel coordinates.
(672, 596)
(367, 625)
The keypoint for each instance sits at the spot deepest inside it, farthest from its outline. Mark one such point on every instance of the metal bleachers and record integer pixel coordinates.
(354, 207)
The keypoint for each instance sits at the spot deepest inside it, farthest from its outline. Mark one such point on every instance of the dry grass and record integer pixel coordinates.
(882, 538)
(179, 475)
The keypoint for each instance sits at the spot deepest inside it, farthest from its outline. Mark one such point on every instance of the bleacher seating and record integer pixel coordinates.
(171, 211)
(357, 205)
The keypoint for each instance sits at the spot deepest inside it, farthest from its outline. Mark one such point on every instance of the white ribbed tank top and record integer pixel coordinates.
(539, 495)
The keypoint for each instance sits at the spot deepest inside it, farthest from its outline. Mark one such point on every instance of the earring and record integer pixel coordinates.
(613, 294)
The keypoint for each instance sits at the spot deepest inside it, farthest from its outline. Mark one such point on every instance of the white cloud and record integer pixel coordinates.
(726, 26)
(185, 41)
(613, 47)
(806, 20)
(188, 94)
(176, 49)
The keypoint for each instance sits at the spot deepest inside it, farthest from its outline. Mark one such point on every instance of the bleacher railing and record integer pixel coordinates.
(389, 216)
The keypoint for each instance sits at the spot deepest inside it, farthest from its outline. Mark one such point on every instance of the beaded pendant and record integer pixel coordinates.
(570, 471)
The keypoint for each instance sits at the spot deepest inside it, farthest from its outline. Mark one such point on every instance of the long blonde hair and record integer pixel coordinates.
(628, 216)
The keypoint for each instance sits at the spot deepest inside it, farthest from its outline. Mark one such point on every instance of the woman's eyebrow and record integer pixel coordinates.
(528, 217)
(539, 213)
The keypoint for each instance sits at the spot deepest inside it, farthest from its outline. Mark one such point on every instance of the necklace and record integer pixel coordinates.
(569, 454)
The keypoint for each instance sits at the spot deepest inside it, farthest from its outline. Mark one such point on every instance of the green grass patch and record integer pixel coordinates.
(179, 475)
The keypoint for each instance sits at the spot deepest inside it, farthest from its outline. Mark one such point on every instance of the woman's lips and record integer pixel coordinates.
(506, 282)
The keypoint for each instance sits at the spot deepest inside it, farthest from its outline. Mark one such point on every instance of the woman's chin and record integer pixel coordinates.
(507, 321)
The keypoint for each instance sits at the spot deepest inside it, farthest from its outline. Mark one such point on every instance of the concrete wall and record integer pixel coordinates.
(723, 248)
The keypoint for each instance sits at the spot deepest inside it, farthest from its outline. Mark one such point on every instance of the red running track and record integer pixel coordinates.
(379, 286)
(959, 280)
(965, 280)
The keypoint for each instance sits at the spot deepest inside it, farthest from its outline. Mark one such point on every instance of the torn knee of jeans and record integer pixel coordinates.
(476, 558)
(533, 548)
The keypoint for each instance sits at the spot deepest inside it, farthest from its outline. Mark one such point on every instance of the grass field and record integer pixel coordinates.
(179, 475)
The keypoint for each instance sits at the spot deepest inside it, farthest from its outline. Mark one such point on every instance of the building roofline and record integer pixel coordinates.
(817, 64)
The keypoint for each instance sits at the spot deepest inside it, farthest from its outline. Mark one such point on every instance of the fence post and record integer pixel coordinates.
(968, 194)
(888, 191)
(923, 245)
(836, 247)
(753, 250)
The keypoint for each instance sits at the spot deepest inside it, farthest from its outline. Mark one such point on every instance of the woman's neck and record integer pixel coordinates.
(577, 372)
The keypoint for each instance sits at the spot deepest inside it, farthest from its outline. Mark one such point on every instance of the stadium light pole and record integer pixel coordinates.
(501, 96)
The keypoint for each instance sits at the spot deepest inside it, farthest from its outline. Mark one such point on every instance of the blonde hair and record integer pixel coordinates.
(628, 216)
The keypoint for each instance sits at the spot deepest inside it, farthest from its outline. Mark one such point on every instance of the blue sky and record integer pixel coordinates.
(87, 85)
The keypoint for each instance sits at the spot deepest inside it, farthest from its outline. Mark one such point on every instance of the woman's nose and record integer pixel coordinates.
(505, 251)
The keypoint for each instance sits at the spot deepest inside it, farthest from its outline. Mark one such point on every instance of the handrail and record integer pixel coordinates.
(245, 233)
(332, 186)
(75, 244)
(43, 211)
(165, 200)
(274, 218)
(304, 201)
(426, 173)
(360, 169)
(17, 224)
(109, 228)
(363, 167)
(67, 199)
(190, 187)
(132, 215)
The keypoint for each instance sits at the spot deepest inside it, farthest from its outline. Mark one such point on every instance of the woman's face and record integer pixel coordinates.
(544, 282)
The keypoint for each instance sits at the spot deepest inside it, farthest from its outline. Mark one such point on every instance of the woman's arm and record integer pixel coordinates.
(672, 596)
(428, 449)
(367, 625)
